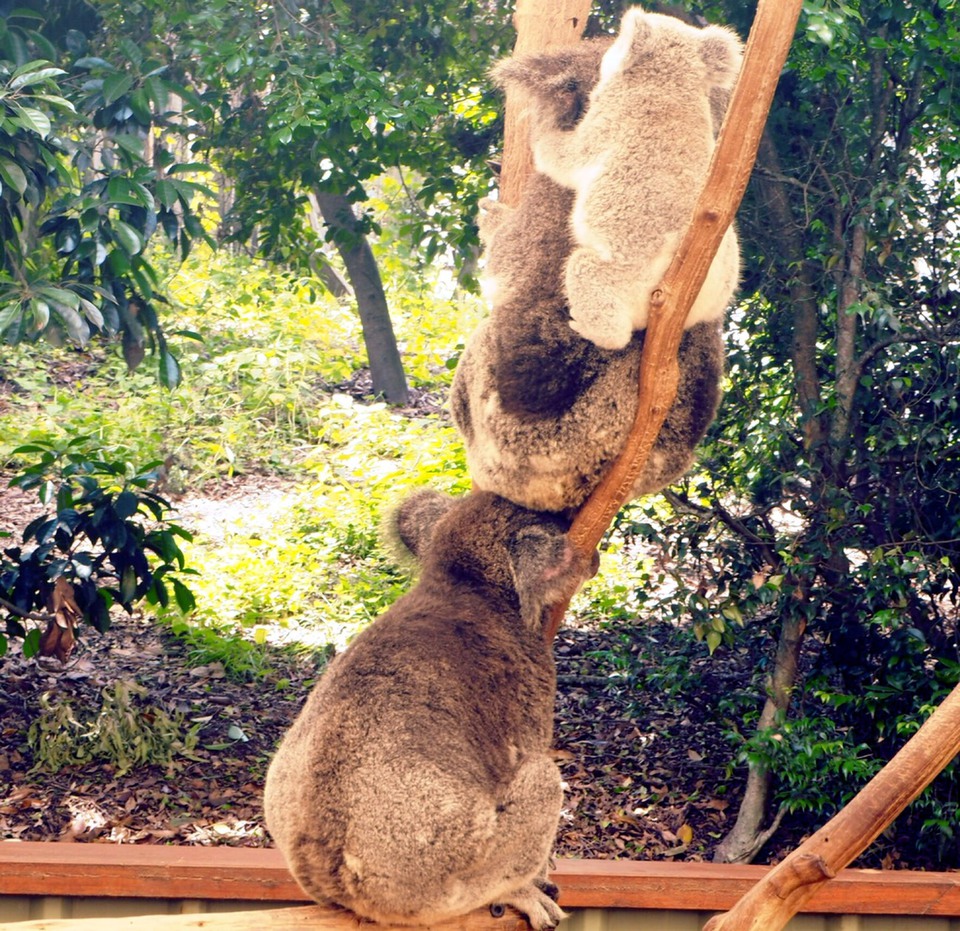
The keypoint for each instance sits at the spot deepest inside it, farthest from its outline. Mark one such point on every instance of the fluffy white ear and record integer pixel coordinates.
(722, 52)
(634, 34)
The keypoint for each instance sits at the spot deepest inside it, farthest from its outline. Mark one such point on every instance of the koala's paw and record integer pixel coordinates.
(541, 910)
(605, 334)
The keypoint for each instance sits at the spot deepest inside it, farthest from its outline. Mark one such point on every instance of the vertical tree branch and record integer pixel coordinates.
(540, 25)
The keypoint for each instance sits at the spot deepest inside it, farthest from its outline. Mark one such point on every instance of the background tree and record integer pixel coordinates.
(305, 104)
(830, 512)
(87, 178)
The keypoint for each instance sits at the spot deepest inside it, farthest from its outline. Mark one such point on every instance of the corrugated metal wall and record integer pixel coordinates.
(15, 908)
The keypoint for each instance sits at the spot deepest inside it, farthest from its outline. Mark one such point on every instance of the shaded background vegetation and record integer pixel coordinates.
(348, 147)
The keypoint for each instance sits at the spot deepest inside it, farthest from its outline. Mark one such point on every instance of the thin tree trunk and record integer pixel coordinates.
(751, 831)
(540, 24)
(748, 834)
(386, 369)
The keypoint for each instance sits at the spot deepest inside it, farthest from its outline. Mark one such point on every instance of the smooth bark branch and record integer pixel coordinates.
(767, 47)
(733, 158)
(770, 904)
(539, 26)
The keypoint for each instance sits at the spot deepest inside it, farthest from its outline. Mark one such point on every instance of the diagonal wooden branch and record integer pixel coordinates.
(733, 158)
(773, 901)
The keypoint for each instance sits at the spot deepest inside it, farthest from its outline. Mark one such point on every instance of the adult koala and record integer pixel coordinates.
(416, 785)
(543, 412)
(636, 163)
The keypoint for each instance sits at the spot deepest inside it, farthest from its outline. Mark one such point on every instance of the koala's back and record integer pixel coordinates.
(389, 779)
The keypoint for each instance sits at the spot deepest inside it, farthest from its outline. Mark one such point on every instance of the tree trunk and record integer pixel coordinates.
(540, 24)
(386, 369)
(749, 832)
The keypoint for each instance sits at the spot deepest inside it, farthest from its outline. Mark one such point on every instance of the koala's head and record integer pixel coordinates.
(713, 53)
(484, 540)
(554, 84)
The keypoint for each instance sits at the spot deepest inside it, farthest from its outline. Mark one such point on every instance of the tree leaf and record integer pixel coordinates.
(115, 86)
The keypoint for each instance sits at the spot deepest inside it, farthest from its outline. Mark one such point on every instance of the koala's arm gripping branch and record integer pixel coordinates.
(733, 158)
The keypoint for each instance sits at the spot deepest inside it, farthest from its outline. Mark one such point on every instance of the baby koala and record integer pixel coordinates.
(416, 785)
(542, 411)
(637, 162)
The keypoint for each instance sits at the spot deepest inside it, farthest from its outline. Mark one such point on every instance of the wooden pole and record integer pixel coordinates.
(773, 901)
(540, 24)
(730, 168)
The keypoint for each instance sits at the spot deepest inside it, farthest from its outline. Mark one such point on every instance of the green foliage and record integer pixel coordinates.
(80, 194)
(337, 95)
(124, 731)
(104, 540)
(829, 491)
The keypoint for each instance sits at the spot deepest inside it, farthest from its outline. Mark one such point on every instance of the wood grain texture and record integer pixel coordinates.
(256, 874)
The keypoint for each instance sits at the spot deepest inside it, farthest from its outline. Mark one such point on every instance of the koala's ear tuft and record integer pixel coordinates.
(513, 72)
(722, 52)
(408, 526)
(546, 570)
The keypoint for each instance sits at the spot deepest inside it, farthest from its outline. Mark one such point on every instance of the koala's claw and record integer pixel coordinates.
(548, 888)
(537, 904)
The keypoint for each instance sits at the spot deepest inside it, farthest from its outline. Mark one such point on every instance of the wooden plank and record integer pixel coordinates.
(276, 919)
(257, 874)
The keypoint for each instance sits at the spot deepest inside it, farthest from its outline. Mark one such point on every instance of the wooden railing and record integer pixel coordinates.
(238, 875)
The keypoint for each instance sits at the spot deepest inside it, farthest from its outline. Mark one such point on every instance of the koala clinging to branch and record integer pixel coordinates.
(543, 412)
(416, 785)
(637, 162)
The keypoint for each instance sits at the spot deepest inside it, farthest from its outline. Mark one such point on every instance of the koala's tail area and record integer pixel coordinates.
(543, 377)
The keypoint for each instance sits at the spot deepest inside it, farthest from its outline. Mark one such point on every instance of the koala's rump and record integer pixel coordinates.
(407, 748)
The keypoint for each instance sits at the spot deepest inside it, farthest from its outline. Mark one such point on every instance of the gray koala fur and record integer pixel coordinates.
(415, 785)
(542, 411)
(636, 162)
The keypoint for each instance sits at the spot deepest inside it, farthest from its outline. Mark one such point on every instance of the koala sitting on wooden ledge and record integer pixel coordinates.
(416, 784)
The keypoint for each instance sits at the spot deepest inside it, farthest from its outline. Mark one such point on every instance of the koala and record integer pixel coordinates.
(542, 411)
(636, 163)
(415, 785)
(539, 226)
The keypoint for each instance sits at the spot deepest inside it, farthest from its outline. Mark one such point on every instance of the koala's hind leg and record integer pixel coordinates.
(603, 305)
(516, 870)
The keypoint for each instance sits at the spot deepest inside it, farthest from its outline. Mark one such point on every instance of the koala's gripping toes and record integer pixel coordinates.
(415, 785)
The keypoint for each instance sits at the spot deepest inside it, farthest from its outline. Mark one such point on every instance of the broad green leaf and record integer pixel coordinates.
(60, 295)
(41, 314)
(124, 191)
(12, 175)
(31, 643)
(92, 313)
(33, 120)
(115, 86)
(8, 314)
(169, 370)
(126, 236)
(34, 77)
(77, 327)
